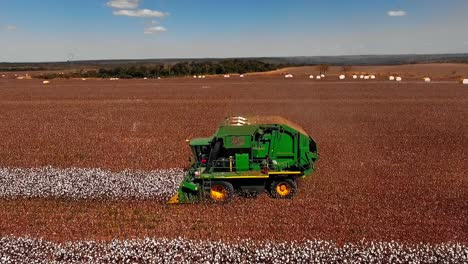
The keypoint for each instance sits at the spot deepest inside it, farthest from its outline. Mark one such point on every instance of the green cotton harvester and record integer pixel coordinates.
(248, 155)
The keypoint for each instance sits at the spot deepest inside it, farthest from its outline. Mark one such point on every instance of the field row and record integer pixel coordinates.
(148, 250)
(74, 183)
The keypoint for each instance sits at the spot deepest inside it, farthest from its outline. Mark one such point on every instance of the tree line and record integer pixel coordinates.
(180, 69)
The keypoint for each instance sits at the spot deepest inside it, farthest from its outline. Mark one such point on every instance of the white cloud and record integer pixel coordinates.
(140, 13)
(122, 4)
(11, 28)
(396, 13)
(153, 30)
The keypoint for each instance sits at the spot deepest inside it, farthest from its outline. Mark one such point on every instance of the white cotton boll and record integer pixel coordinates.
(311, 76)
(74, 183)
(180, 250)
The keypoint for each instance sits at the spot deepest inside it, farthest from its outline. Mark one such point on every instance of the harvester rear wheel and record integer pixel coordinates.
(221, 192)
(283, 189)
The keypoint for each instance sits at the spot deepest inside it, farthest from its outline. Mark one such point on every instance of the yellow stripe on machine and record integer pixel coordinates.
(285, 172)
(242, 177)
(261, 176)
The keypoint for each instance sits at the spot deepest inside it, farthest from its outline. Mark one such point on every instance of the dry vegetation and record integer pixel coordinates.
(393, 157)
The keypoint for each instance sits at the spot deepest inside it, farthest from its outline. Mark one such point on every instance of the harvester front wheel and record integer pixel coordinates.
(283, 189)
(221, 192)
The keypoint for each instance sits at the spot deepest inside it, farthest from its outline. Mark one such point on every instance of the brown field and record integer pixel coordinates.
(436, 71)
(393, 157)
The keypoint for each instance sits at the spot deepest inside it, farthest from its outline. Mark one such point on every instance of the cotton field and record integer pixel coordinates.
(150, 250)
(77, 183)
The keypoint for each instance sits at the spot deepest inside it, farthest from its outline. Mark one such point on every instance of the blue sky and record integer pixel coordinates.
(51, 30)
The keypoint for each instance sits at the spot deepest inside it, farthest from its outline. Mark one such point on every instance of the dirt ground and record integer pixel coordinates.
(393, 157)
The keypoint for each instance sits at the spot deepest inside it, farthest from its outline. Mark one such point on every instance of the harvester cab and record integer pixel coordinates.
(248, 155)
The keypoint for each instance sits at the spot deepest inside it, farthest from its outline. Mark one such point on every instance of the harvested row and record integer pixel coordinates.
(77, 183)
(27, 250)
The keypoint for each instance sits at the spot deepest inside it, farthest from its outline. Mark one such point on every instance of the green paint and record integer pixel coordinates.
(252, 147)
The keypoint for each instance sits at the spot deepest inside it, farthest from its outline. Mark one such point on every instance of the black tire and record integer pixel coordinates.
(283, 189)
(219, 188)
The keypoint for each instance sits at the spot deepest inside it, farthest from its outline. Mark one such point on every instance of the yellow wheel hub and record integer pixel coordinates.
(283, 189)
(218, 193)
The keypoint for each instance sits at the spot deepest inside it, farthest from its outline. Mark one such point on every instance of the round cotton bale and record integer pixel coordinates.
(398, 79)
(355, 76)
(311, 76)
(372, 77)
(342, 77)
(391, 78)
(45, 82)
(427, 79)
(465, 81)
(319, 77)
